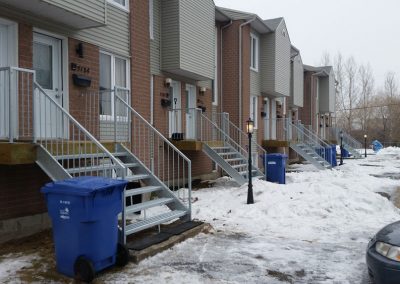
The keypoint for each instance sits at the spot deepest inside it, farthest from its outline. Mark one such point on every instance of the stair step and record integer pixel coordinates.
(153, 221)
(220, 148)
(239, 166)
(141, 190)
(148, 204)
(228, 153)
(91, 169)
(80, 156)
(234, 160)
(119, 154)
(136, 177)
(131, 165)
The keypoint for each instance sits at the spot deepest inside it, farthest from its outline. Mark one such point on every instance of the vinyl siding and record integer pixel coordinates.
(323, 94)
(267, 64)
(297, 83)
(332, 93)
(188, 38)
(113, 37)
(91, 9)
(255, 82)
(155, 44)
(282, 67)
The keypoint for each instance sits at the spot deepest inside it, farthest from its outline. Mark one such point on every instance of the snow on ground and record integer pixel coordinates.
(11, 263)
(313, 230)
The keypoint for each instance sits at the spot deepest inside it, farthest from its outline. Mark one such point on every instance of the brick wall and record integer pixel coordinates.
(140, 61)
(25, 43)
(20, 191)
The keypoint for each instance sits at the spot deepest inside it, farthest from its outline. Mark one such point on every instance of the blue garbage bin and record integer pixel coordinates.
(84, 213)
(276, 167)
(377, 146)
(345, 153)
(328, 155)
(334, 160)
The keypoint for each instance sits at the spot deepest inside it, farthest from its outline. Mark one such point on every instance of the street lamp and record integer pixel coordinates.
(250, 130)
(365, 144)
(341, 148)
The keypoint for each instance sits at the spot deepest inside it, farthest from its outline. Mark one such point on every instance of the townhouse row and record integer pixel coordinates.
(114, 74)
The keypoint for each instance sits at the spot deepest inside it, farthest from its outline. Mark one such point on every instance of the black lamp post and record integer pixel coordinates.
(250, 130)
(365, 144)
(341, 148)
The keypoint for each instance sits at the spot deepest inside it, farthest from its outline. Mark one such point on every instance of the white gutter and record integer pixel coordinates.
(240, 69)
(221, 66)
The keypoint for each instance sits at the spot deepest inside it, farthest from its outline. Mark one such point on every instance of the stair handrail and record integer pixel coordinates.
(121, 167)
(165, 141)
(301, 134)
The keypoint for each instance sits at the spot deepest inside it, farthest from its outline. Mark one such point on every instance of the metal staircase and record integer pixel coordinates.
(308, 145)
(228, 150)
(65, 149)
(349, 143)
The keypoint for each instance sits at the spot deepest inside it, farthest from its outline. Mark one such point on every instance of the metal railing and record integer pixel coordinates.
(37, 116)
(116, 121)
(334, 132)
(312, 140)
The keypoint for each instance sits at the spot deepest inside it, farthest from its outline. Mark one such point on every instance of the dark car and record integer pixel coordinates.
(383, 255)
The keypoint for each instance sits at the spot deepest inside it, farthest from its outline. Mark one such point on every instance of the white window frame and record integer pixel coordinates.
(254, 58)
(106, 117)
(151, 19)
(253, 110)
(126, 7)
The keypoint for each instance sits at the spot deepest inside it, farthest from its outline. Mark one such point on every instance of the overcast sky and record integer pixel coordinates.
(367, 29)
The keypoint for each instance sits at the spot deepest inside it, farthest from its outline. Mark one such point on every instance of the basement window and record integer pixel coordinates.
(254, 49)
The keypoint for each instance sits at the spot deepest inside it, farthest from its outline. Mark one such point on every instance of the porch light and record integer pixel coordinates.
(249, 126)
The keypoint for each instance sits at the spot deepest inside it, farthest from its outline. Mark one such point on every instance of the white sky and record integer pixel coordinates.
(366, 29)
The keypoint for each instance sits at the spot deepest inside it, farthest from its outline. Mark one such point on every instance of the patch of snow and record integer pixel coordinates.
(11, 264)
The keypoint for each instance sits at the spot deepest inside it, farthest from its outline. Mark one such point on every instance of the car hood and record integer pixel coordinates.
(390, 234)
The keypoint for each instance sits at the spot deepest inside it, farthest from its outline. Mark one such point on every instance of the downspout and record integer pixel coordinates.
(240, 68)
(221, 66)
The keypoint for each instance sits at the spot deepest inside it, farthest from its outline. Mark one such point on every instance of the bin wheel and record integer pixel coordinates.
(122, 255)
(84, 270)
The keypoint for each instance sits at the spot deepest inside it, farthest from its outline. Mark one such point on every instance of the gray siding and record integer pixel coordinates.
(282, 53)
(327, 94)
(275, 63)
(113, 37)
(255, 81)
(332, 92)
(155, 44)
(188, 38)
(267, 64)
(297, 83)
(91, 9)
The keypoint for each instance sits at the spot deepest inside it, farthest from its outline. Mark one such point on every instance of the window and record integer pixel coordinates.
(253, 110)
(151, 19)
(114, 72)
(124, 4)
(254, 52)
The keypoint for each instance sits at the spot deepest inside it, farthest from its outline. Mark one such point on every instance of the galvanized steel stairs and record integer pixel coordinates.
(232, 162)
(310, 155)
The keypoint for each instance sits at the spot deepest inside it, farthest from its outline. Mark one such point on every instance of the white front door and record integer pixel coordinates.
(47, 62)
(8, 55)
(175, 115)
(190, 112)
(267, 120)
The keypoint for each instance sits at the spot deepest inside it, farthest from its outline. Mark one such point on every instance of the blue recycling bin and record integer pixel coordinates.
(345, 153)
(84, 213)
(377, 146)
(328, 155)
(334, 160)
(276, 167)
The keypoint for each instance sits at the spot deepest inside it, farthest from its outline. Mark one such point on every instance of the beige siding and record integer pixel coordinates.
(282, 59)
(113, 37)
(155, 44)
(91, 9)
(297, 83)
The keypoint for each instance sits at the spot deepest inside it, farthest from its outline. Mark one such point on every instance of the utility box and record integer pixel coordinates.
(84, 213)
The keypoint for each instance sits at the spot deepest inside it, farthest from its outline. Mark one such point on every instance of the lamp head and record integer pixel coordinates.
(365, 136)
(249, 126)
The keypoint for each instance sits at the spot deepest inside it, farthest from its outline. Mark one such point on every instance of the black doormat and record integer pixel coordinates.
(148, 241)
(165, 234)
(183, 227)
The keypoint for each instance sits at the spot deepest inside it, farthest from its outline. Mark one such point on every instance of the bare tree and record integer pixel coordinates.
(367, 85)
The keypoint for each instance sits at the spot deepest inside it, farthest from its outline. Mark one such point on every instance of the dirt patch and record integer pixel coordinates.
(284, 277)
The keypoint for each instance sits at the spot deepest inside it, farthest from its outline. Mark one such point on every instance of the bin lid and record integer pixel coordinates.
(277, 155)
(82, 186)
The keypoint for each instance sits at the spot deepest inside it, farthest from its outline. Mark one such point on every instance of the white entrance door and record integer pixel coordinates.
(8, 55)
(47, 62)
(190, 112)
(267, 120)
(175, 115)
